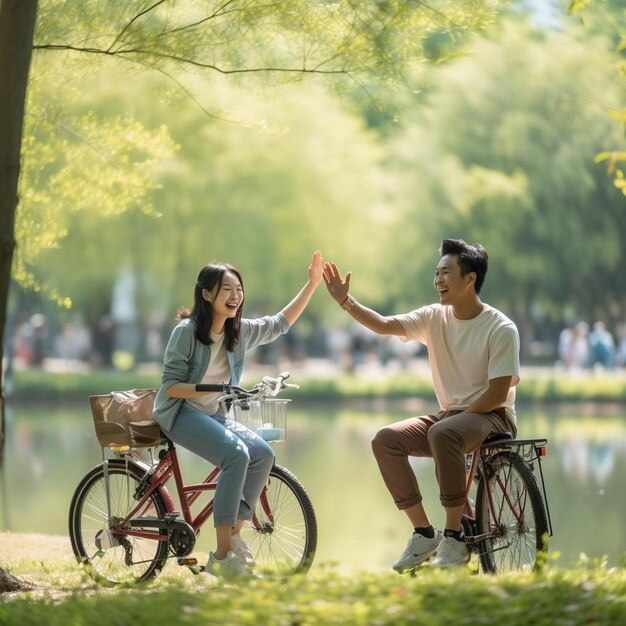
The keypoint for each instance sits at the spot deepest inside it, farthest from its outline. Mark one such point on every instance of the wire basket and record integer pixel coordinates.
(266, 417)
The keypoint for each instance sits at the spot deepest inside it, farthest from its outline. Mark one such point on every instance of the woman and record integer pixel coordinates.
(208, 346)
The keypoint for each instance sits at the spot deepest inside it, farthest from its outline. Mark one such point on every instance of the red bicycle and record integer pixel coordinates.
(123, 523)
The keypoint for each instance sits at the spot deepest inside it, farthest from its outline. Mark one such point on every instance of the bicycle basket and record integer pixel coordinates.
(267, 417)
(124, 418)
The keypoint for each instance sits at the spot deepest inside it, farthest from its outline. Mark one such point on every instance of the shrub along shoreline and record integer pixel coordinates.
(40, 385)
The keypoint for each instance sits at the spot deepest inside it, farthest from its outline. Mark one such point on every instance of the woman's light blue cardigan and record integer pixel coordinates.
(186, 359)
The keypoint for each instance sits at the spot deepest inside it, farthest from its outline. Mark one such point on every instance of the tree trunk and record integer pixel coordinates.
(17, 25)
(9, 583)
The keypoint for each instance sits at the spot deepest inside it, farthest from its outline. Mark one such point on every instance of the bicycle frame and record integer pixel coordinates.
(158, 477)
(167, 467)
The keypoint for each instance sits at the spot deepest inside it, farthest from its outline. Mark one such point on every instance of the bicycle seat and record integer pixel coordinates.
(498, 437)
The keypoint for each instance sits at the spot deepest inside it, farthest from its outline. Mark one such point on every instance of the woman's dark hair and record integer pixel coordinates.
(471, 258)
(210, 278)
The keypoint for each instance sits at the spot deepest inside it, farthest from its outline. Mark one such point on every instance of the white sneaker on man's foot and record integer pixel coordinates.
(451, 553)
(418, 549)
(231, 566)
(242, 550)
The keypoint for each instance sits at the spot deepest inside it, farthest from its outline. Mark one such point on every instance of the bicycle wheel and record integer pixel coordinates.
(128, 559)
(282, 534)
(516, 516)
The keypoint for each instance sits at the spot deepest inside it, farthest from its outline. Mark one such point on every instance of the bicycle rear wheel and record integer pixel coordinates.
(515, 518)
(282, 534)
(118, 559)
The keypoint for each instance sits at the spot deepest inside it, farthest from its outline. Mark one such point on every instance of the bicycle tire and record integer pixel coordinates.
(521, 518)
(282, 534)
(88, 516)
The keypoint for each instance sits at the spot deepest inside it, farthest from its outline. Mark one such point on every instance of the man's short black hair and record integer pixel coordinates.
(471, 258)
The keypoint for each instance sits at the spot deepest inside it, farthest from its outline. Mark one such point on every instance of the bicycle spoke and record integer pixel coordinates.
(128, 559)
(283, 534)
(510, 510)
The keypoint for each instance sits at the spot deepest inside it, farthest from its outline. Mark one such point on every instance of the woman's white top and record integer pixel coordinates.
(218, 372)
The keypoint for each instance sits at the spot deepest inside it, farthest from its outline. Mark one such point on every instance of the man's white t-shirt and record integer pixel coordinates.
(218, 372)
(465, 355)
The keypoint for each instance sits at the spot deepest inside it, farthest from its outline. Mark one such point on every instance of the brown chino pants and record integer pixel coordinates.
(447, 437)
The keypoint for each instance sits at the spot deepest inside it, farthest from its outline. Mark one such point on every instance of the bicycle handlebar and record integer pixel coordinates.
(210, 387)
(267, 387)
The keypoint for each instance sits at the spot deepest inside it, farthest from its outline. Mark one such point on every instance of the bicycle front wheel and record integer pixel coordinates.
(111, 559)
(282, 534)
(510, 509)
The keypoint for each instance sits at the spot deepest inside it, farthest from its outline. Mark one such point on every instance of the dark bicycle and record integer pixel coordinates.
(507, 522)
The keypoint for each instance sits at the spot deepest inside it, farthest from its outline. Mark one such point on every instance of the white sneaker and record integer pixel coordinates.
(242, 550)
(418, 549)
(229, 567)
(451, 553)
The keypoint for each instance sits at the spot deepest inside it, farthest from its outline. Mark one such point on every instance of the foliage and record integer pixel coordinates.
(608, 16)
(302, 182)
(306, 175)
(347, 38)
(589, 593)
(501, 154)
(102, 166)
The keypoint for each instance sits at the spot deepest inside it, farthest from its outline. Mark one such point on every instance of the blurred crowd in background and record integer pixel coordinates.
(580, 346)
(35, 343)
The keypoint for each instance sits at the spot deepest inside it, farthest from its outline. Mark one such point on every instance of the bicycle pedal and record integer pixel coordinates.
(188, 561)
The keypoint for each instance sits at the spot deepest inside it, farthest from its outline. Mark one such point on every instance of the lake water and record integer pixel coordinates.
(328, 447)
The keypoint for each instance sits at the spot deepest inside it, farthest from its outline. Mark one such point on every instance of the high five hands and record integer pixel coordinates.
(337, 286)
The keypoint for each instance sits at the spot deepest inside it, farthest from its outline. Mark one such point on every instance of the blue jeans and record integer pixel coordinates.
(245, 460)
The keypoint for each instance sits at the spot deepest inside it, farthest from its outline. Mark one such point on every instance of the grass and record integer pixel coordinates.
(537, 386)
(589, 594)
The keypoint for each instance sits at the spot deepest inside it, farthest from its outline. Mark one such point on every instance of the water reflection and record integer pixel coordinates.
(49, 450)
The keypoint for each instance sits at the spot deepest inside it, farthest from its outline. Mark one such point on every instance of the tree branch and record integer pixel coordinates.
(172, 57)
(134, 19)
(217, 13)
(193, 98)
(435, 11)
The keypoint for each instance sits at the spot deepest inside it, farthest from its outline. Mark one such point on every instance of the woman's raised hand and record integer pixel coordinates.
(316, 269)
(337, 287)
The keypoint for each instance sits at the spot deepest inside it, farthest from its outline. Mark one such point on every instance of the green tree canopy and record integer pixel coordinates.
(263, 196)
(608, 19)
(503, 154)
(80, 159)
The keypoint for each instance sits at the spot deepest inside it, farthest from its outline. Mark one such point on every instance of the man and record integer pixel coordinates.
(473, 350)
